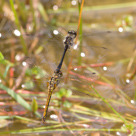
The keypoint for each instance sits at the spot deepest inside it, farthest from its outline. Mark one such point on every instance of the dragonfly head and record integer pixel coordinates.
(72, 34)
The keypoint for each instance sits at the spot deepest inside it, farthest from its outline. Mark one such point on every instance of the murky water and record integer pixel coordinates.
(105, 57)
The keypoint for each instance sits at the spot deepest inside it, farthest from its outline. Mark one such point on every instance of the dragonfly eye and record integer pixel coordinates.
(72, 33)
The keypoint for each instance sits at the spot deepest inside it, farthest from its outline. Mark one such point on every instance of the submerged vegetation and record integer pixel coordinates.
(96, 94)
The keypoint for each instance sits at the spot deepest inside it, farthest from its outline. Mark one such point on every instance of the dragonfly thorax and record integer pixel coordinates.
(70, 38)
(68, 41)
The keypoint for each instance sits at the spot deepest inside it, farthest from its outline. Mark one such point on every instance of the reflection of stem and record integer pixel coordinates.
(67, 125)
(12, 60)
(91, 80)
(17, 22)
(68, 69)
(95, 65)
(131, 61)
(19, 79)
(34, 43)
(133, 74)
(104, 100)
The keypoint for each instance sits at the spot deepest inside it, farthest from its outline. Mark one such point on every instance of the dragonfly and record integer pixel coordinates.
(55, 79)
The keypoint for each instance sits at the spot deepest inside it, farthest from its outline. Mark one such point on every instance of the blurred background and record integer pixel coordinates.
(97, 92)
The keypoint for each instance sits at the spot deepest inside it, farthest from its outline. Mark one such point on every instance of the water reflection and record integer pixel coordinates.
(73, 2)
(127, 81)
(17, 32)
(105, 68)
(53, 116)
(82, 54)
(120, 29)
(56, 32)
(55, 7)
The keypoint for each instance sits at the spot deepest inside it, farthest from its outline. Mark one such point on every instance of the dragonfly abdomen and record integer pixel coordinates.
(50, 90)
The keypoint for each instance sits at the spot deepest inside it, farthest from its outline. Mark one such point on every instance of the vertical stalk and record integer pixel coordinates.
(33, 12)
(18, 26)
(80, 7)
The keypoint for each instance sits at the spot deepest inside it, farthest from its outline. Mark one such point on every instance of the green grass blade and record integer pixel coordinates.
(21, 8)
(34, 105)
(33, 130)
(123, 119)
(18, 26)
(6, 70)
(80, 38)
(43, 12)
(18, 98)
